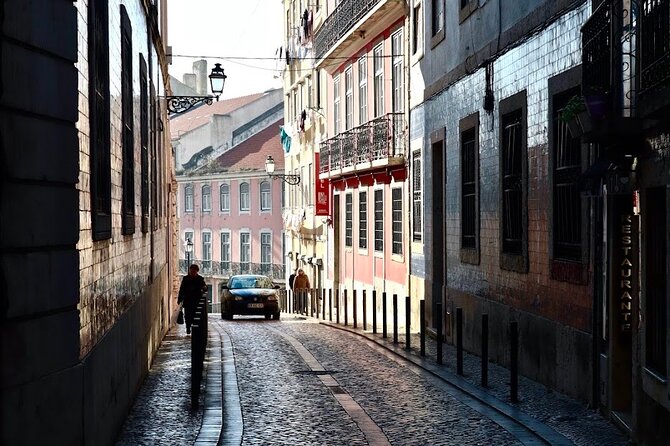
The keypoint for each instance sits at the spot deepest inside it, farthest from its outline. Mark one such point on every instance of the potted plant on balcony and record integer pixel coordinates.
(576, 116)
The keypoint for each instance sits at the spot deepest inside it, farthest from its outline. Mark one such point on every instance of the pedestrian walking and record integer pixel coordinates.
(291, 279)
(301, 281)
(190, 292)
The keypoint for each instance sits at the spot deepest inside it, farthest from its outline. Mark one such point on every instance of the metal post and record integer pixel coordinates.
(337, 305)
(395, 318)
(485, 350)
(384, 328)
(438, 315)
(323, 303)
(355, 303)
(408, 321)
(365, 313)
(422, 325)
(514, 356)
(459, 341)
(330, 304)
(346, 308)
(374, 311)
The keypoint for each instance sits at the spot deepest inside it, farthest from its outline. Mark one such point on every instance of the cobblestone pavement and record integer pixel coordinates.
(285, 401)
(161, 413)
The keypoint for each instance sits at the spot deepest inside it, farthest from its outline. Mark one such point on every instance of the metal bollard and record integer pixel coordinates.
(422, 325)
(408, 322)
(337, 306)
(395, 318)
(438, 315)
(355, 304)
(384, 328)
(365, 313)
(323, 303)
(514, 357)
(459, 341)
(330, 304)
(346, 309)
(374, 311)
(485, 350)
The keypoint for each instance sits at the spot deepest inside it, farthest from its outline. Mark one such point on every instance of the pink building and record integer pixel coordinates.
(228, 207)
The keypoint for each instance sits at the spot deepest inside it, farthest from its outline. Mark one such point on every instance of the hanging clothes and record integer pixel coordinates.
(285, 139)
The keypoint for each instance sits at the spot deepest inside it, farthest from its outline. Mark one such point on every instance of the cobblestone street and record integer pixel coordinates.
(307, 382)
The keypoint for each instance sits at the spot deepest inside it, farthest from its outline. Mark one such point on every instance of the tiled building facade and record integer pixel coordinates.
(88, 153)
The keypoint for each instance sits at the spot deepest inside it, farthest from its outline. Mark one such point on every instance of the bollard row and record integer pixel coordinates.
(199, 331)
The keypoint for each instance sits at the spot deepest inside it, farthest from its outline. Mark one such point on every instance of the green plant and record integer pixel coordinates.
(574, 107)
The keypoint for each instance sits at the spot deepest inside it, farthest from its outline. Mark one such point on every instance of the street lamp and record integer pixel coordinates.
(270, 170)
(188, 246)
(180, 104)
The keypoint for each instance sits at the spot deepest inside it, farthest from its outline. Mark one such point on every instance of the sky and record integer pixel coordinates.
(224, 29)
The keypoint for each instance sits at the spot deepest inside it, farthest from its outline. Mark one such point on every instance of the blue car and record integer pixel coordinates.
(250, 294)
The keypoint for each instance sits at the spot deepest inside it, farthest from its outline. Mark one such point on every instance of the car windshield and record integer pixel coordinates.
(237, 283)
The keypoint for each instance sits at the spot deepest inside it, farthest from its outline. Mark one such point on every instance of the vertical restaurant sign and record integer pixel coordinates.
(322, 190)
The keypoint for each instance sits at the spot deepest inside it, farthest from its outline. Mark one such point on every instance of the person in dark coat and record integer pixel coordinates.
(190, 292)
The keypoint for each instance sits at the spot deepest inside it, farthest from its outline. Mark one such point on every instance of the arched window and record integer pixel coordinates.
(245, 199)
(266, 196)
(206, 198)
(188, 198)
(224, 197)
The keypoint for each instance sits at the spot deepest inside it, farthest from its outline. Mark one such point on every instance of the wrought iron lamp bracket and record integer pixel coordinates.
(181, 104)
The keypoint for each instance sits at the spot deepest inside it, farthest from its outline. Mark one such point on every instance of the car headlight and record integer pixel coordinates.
(238, 298)
(272, 297)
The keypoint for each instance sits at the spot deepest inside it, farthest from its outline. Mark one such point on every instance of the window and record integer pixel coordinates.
(363, 90)
(224, 197)
(469, 129)
(206, 198)
(336, 104)
(567, 161)
(467, 8)
(245, 252)
(513, 184)
(206, 246)
(363, 219)
(245, 204)
(396, 220)
(225, 251)
(127, 127)
(417, 29)
(379, 220)
(156, 203)
(266, 253)
(309, 92)
(437, 21)
(397, 79)
(378, 56)
(348, 220)
(348, 98)
(188, 235)
(99, 109)
(656, 280)
(417, 203)
(188, 198)
(266, 196)
(310, 184)
(144, 144)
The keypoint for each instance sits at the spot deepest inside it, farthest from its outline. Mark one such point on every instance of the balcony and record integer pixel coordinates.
(597, 57)
(654, 53)
(377, 143)
(341, 23)
(210, 268)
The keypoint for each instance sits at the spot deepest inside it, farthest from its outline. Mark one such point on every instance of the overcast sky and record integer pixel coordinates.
(224, 29)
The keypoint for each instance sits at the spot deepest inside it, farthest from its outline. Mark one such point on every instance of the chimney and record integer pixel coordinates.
(201, 79)
(189, 80)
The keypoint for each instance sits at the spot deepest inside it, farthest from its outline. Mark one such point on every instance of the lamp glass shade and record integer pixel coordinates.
(269, 165)
(189, 245)
(217, 79)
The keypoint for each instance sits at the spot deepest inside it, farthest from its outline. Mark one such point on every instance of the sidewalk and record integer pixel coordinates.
(571, 418)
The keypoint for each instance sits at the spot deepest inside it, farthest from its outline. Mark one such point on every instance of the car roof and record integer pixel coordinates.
(248, 275)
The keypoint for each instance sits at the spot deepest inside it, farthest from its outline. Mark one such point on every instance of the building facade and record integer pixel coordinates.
(356, 137)
(88, 252)
(229, 208)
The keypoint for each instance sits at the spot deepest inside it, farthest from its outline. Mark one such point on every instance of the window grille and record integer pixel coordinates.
(363, 219)
(396, 220)
(512, 183)
(379, 220)
(348, 220)
(417, 200)
(468, 189)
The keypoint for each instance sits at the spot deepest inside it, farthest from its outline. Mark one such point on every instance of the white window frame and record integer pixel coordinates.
(206, 191)
(397, 222)
(378, 63)
(226, 250)
(349, 98)
(245, 197)
(266, 247)
(206, 236)
(397, 70)
(245, 249)
(188, 198)
(224, 197)
(265, 196)
(336, 105)
(363, 90)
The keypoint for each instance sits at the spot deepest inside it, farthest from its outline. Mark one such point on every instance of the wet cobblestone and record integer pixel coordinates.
(161, 413)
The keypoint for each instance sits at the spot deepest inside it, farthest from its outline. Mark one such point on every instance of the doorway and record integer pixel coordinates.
(439, 260)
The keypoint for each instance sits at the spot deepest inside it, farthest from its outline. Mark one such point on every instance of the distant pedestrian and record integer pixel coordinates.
(301, 281)
(190, 292)
(291, 279)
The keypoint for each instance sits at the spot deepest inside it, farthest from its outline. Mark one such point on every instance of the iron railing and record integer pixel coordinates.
(210, 268)
(375, 140)
(597, 51)
(654, 44)
(339, 23)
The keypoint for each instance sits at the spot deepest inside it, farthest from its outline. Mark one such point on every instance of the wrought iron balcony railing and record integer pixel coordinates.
(210, 268)
(597, 51)
(654, 44)
(379, 139)
(343, 18)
